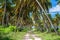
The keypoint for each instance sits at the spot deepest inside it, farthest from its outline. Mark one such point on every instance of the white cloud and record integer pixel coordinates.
(55, 9)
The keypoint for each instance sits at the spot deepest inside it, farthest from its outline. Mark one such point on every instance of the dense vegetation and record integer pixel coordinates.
(19, 16)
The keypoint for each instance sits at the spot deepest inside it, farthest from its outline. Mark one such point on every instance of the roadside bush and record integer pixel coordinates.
(7, 29)
(22, 29)
(12, 28)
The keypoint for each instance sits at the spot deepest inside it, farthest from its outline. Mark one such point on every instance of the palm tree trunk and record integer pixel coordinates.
(45, 23)
(3, 20)
(7, 18)
(46, 16)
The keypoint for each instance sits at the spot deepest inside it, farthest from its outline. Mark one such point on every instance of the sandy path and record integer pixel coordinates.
(35, 37)
(27, 37)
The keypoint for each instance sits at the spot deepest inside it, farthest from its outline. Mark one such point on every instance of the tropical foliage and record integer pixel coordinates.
(21, 15)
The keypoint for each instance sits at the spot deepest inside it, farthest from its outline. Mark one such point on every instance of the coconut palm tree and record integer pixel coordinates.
(46, 15)
(22, 9)
(31, 7)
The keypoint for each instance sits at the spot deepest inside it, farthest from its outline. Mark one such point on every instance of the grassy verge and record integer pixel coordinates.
(8, 33)
(13, 36)
(16, 35)
(47, 36)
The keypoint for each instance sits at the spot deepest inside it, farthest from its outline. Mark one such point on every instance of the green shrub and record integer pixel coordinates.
(7, 29)
(25, 30)
(12, 28)
(22, 29)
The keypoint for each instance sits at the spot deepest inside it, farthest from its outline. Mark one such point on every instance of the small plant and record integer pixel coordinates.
(12, 28)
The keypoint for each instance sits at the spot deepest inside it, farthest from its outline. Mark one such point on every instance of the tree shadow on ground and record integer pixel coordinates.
(5, 38)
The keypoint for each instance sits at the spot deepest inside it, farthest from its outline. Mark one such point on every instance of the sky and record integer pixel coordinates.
(55, 8)
(54, 3)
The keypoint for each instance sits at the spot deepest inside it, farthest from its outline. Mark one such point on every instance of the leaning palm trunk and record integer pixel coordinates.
(45, 23)
(7, 18)
(46, 15)
(3, 20)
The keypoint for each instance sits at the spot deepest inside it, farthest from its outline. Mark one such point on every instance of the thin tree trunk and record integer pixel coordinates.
(45, 23)
(3, 19)
(7, 18)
